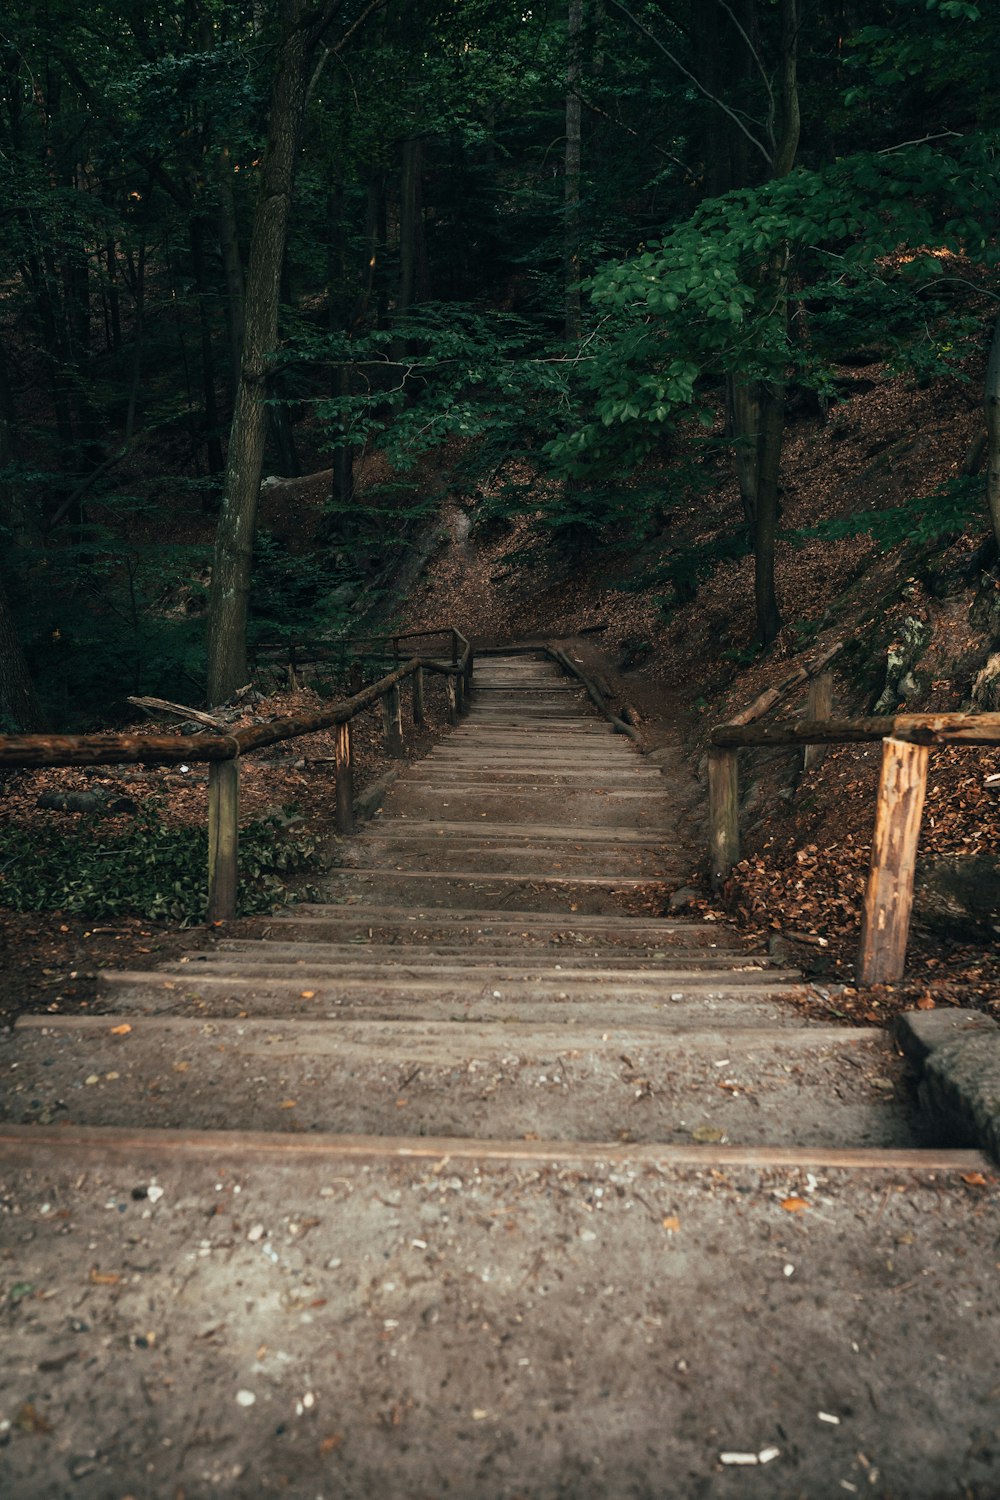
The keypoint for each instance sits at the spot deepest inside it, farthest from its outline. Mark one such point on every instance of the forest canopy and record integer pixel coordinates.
(563, 242)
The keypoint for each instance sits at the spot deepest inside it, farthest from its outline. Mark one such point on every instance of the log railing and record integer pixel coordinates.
(223, 750)
(907, 740)
(573, 669)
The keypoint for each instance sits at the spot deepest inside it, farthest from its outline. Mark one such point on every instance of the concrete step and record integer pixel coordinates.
(552, 892)
(529, 929)
(278, 980)
(380, 957)
(839, 1087)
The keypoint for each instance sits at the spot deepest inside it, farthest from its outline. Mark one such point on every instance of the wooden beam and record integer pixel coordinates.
(223, 839)
(885, 920)
(723, 813)
(344, 791)
(916, 729)
(773, 695)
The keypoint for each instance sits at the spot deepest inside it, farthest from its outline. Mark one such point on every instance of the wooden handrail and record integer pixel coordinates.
(223, 751)
(593, 691)
(907, 740)
(916, 729)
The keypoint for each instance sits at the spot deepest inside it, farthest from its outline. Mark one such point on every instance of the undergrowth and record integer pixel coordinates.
(148, 869)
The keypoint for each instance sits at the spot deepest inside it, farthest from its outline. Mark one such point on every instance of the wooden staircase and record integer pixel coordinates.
(385, 1136)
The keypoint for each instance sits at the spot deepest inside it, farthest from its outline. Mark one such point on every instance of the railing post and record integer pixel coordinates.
(223, 838)
(454, 647)
(460, 693)
(344, 791)
(452, 699)
(723, 813)
(418, 696)
(885, 917)
(819, 705)
(392, 722)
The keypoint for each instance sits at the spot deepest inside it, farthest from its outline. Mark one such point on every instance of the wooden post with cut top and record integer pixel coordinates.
(885, 918)
(392, 722)
(223, 838)
(344, 787)
(723, 813)
(819, 706)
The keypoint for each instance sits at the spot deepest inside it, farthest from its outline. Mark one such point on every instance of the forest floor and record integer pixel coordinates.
(689, 664)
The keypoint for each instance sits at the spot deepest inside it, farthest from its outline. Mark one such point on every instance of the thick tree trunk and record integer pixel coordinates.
(229, 599)
(992, 405)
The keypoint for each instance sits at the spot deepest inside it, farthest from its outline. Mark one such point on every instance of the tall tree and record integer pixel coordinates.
(301, 27)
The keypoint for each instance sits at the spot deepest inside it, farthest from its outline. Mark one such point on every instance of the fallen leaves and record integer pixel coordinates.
(794, 1205)
(104, 1278)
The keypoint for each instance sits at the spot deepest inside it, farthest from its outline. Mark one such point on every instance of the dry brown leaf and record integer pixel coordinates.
(122, 1030)
(671, 1223)
(104, 1278)
(794, 1205)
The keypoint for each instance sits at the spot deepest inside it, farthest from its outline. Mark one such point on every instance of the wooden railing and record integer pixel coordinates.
(573, 669)
(907, 740)
(222, 749)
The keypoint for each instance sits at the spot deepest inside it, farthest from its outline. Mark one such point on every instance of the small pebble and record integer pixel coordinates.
(245, 1398)
(255, 1234)
(154, 1193)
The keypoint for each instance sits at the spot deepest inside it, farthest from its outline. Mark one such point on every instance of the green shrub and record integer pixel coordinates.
(148, 869)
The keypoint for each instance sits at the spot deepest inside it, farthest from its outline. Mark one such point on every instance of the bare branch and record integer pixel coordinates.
(692, 78)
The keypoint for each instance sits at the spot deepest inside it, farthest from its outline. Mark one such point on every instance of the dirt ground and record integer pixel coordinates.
(322, 1329)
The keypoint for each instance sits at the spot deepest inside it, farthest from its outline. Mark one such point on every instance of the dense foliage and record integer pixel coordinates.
(551, 238)
(148, 869)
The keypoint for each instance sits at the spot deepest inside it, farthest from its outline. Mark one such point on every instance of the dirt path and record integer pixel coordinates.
(479, 1179)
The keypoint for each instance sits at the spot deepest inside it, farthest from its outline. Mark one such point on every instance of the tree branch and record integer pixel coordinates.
(692, 78)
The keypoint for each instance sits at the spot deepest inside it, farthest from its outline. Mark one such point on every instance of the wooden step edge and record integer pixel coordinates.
(520, 877)
(475, 1035)
(447, 915)
(56, 1143)
(685, 983)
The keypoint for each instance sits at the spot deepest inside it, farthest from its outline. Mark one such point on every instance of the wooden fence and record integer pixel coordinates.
(222, 750)
(907, 740)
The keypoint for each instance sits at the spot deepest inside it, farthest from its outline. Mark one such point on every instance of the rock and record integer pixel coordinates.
(901, 683)
(959, 897)
(683, 897)
(986, 688)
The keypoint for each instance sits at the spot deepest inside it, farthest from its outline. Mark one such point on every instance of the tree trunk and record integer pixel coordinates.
(571, 221)
(20, 709)
(991, 402)
(769, 442)
(230, 591)
(232, 263)
(203, 292)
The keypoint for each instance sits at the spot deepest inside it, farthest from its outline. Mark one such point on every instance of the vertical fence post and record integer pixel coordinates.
(723, 813)
(223, 838)
(885, 917)
(819, 705)
(344, 791)
(452, 699)
(454, 647)
(418, 696)
(392, 722)
(459, 693)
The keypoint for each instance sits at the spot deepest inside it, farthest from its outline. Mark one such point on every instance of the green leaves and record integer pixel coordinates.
(148, 869)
